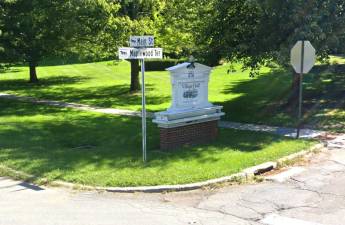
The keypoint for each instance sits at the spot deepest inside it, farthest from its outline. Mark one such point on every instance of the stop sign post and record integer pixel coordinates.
(303, 59)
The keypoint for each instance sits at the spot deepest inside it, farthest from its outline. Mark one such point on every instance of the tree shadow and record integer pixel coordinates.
(92, 140)
(11, 107)
(60, 88)
(23, 85)
(262, 100)
(9, 70)
(228, 140)
(259, 98)
(73, 141)
(110, 96)
(70, 60)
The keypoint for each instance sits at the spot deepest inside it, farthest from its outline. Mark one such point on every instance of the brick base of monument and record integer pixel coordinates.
(200, 133)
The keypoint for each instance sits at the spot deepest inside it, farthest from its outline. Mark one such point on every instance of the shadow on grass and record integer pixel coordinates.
(26, 87)
(263, 99)
(118, 95)
(73, 141)
(9, 70)
(11, 107)
(71, 60)
(5, 68)
(259, 100)
(57, 88)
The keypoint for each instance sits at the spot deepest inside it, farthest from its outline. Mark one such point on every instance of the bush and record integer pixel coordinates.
(4, 67)
(71, 58)
(160, 65)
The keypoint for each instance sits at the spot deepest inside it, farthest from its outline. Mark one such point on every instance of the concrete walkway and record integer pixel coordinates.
(288, 132)
(312, 196)
(284, 131)
(77, 106)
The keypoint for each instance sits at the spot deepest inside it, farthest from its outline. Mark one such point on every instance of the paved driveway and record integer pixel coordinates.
(314, 196)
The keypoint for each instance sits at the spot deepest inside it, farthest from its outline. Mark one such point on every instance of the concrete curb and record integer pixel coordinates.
(315, 148)
(285, 175)
(154, 189)
(245, 174)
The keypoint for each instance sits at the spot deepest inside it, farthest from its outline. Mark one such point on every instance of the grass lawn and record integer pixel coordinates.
(260, 100)
(255, 100)
(105, 150)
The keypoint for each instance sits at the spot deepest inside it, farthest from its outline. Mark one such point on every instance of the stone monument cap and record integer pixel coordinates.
(187, 65)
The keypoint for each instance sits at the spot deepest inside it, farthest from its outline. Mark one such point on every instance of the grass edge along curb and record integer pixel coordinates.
(15, 174)
(246, 174)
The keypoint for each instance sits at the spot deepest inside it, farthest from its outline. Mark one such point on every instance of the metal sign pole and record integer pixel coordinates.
(143, 113)
(141, 47)
(300, 92)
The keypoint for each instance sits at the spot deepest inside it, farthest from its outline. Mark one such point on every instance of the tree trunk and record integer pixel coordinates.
(33, 74)
(135, 84)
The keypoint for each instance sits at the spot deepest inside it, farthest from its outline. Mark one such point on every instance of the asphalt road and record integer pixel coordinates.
(314, 195)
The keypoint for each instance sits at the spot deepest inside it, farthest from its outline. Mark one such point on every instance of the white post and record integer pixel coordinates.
(143, 112)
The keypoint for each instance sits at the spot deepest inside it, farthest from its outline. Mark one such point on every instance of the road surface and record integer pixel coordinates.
(314, 195)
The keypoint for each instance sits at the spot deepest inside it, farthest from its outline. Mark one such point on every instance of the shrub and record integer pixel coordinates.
(4, 67)
(160, 65)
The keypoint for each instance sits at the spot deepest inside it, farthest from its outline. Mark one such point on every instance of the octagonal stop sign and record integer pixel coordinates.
(308, 59)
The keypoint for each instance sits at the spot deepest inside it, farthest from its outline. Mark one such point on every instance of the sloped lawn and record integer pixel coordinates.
(260, 100)
(104, 150)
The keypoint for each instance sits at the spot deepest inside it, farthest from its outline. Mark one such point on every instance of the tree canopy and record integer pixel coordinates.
(251, 31)
(32, 30)
(255, 31)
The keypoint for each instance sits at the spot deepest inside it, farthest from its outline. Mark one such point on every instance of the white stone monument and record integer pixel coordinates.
(190, 109)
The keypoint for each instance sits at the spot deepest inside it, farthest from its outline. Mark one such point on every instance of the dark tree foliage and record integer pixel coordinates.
(32, 30)
(174, 23)
(259, 31)
(255, 31)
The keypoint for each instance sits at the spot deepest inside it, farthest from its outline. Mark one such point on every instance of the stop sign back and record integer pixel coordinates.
(309, 58)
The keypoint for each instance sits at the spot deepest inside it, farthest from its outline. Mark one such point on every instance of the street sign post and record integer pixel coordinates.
(303, 59)
(140, 49)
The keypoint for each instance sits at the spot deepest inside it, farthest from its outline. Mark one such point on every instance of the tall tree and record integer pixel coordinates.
(179, 24)
(174, 23)
(140, 16)
(32, 30)
(257, 31)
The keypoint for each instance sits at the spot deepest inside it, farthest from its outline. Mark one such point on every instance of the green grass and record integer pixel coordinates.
(104, 150)
(259, 100)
